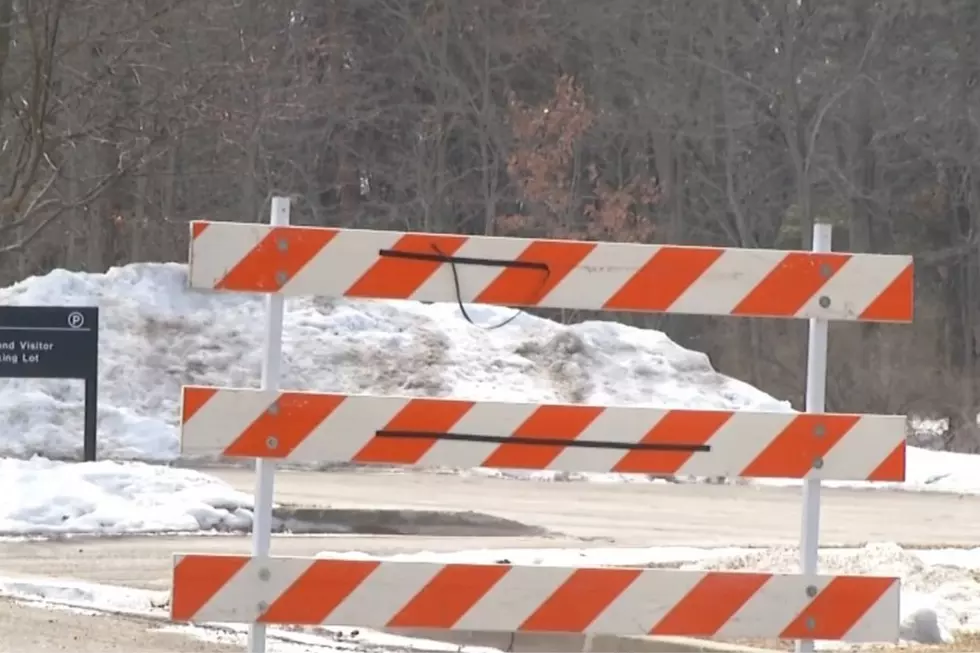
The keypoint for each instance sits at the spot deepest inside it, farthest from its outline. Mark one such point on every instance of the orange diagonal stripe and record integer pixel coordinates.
(664, 278)
(197, 228)
(792, 453)
(290, 420)
(318, 591)
(424, 415)
(197, 578)
(528, 286)
(895, 303)
(891, 468)
(838, 607)
(791, 284)
(398, 278)
(276, 259)
(448, 596)
(710, 604)
(558, 422)
(580, 599)
(694, 427)
(193, 399)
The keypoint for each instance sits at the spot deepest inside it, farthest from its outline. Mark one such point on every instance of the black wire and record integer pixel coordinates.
(442, 257)
(545, 442)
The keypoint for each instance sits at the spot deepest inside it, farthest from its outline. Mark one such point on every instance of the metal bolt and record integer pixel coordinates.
(262, 606)
(824, 301)
(811, 623)
(282, 277)
(825, 271)
(811, 591)
(819, 430)
(273, 408)
(271, 442)
(263, 574)
(818, 463)
(282, 244)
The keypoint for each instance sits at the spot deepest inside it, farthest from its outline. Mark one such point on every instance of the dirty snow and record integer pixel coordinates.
(48, 497)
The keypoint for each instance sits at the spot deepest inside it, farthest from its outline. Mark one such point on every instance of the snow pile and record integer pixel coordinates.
(941, 471)
(156, 336)
(47, 497)
(79, 594)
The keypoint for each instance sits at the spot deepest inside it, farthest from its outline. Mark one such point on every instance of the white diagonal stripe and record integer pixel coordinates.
(881, 622)
(484, 418)
(514, 598)
(727, 281)
(600, 275)
(473, 279)
(341, 263)
(855, 286)
(383, 594)
(219, 248)
(238, 601)
(645, 602)
(223, 418)
(737, 443)
(862, 449)
(348, 428)
(619, 424)
(774, 607)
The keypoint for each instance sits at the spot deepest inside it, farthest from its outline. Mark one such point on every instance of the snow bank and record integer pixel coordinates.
(46, 497)
(156, 336)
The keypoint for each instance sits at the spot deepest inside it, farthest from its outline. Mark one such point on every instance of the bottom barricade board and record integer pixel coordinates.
(517, 598)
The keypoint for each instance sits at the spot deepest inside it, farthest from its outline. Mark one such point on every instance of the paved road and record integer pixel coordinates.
(648, 514)
(578, 514)
(28, 628)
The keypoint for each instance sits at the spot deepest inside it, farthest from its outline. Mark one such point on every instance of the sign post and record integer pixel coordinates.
(265, 470)
(816, 392)
(54, 342)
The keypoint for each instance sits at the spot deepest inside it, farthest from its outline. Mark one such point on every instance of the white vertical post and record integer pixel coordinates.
(265, 470)
(816, 393)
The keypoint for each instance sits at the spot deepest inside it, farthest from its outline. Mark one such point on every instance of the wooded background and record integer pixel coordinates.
(722, 122)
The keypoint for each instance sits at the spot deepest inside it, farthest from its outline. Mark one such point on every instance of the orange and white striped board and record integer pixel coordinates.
(321, 427)
(512, 598)
(519, 272)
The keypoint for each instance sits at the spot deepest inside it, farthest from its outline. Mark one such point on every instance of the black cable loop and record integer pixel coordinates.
(441, 257)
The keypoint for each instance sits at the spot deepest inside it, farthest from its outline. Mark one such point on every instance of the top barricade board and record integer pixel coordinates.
(540, 273)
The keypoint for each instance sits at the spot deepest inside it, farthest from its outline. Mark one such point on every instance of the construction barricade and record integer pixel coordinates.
(271, 425)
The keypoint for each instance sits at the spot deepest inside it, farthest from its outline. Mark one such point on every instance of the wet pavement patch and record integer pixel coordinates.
(321, 521)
